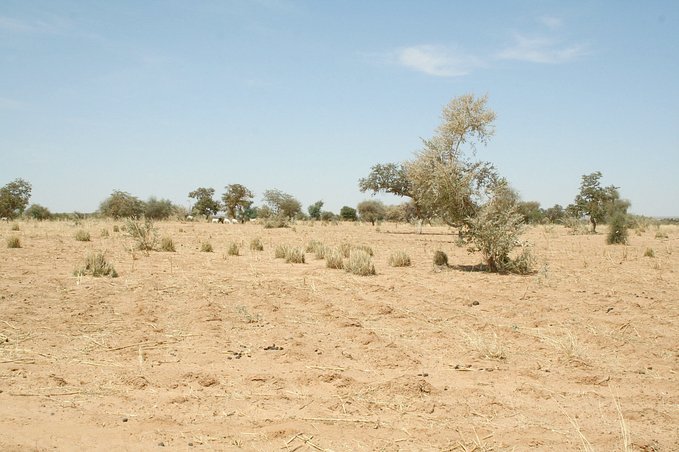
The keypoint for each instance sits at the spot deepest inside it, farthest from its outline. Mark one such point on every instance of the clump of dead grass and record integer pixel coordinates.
(334, 258)
(167, 244)
(206, 247)
(487, 346)
(440, 259)
(233, 249)
(399, 259)
(256, 244)
(82, 236)
(13, 241)
(360, 263)
(96, 265)
(294, 255)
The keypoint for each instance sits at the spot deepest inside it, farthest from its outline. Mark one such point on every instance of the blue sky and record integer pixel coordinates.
(157, 98)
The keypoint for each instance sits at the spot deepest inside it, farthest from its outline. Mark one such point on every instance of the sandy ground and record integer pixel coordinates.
(195, 350)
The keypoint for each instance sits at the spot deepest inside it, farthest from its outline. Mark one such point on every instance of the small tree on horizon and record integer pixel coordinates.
(38, 212)
(596, 201)
(237, 200)
(14, 197)
(282, 203)
(121, 204)
(159, 209)
(205, 204)
(348, 213)
(315, 210)
(371, 210)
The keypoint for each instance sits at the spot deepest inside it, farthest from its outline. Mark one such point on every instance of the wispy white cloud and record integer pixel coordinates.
(11, 104)
(541, 50)
(438, 61)
(550, 22)
(13, 25)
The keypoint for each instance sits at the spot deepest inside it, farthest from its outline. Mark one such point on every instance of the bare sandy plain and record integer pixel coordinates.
(194, 350)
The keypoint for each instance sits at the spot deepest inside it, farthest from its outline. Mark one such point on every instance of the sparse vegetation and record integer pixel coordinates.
(13, 241)
(233, 249)
(334, 258)
(617, 229)
(167, 244)
(104, 233)
(440, 259)
(649, 252)
(206, 247)
(359, 263)
(116, 228)
(144, 234)
(399, 259)
(14, 227)
(82, 236)
(256, 244)
(294, 255)
(281, 251)
(96, 265)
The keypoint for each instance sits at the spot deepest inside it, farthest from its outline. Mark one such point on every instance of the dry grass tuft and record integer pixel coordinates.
(359, 263)
(167, 244)
(82, 236)
(256, 244)
(206, 247)
(399, 259)
(294, 255)
(440, 259)
(487, 346)
(15, 227)
(334, 258)
(281, 251)
(234, 249)
(96, 265)
(13, 241)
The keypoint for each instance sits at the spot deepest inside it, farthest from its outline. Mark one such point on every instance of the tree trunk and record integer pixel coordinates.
(593, 221)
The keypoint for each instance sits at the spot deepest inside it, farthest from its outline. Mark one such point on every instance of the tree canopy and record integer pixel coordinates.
(595, 201)
(121, 205)
(237, 200)
(14, 198)
(371, 210)
(204, 204)
(282, 203)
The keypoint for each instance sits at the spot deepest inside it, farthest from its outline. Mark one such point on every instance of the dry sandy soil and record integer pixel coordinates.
(195, 350)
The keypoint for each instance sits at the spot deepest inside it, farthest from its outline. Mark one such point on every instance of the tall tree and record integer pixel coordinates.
(14, 198)
(315, 210)
(121, 204)
(596, 201)
(159, 209)
(237, 200)
(282, 203)
(204, 204)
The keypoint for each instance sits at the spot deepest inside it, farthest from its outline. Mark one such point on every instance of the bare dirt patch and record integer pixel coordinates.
(217, 351)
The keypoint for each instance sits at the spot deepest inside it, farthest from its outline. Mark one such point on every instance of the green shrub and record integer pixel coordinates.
(96, 265)
(206, 247)
(281, 251)
(649, 252)
(359, 263)
(440, 258)
(13, 241)
(399, 259)
(233, 250)
(334, 258)
(167, 244)
(82, 236)
(256, 245)
(294, 255)
(144, 233)
(617, 229)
